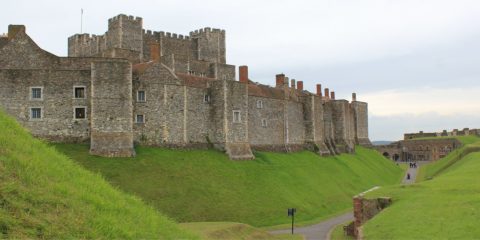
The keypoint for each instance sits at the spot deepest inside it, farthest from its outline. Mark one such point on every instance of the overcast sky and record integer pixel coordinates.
(416, 62)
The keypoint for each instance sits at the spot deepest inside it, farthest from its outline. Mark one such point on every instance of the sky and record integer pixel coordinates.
(414, 61)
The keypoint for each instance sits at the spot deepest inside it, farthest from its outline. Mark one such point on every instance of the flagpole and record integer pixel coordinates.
(81, 20)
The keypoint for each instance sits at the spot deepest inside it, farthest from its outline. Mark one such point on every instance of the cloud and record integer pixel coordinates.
(394, 126)
(442, 102)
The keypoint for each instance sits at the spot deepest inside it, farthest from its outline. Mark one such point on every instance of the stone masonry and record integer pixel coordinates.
(135, 86)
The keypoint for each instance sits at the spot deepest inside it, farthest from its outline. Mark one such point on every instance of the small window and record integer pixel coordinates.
(36, 93)
(140, 118)
(80, 113)
(259, 104)
(264, 122)
(35, 113)
(236, 116)
(206, 98)
(79, 92)
(141, 96)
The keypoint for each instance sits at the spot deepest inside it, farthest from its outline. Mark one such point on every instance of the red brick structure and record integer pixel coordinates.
(243, 74)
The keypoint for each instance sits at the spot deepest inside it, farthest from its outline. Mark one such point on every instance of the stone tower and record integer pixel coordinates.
(209, 44)
(125, 32)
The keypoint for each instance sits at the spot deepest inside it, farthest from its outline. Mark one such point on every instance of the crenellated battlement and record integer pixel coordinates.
(124, 17)
(162, 34)
(206, 30)
(85, 37)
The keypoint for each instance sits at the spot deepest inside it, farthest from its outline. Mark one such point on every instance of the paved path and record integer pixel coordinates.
(413, 173)
(318, 231)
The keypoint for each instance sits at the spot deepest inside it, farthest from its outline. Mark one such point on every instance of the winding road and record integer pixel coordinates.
(320, 231)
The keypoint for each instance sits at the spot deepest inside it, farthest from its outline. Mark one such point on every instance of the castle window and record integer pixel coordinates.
(236, 116)
(141, 96)
(206, 98)
(140, 118)
(79, 92)
(35, 113)
(264, 122)
(259, 104)
(36, 93)
(80, 113)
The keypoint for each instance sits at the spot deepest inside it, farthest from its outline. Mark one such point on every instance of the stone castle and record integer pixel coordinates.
(134, 86)
(425, 146)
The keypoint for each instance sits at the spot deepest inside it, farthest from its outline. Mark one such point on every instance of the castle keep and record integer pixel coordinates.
(132, 85)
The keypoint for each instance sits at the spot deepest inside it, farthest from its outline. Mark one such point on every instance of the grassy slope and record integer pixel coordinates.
(230, 230)
(43, 194)
(446, 207)
(470, 143)
(338, 233)
(204, 185)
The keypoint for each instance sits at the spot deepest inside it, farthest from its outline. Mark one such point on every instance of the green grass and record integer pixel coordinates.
(470, 144)
(205, 186)
(446, 207)
(338, 233)
(45, 195)
(233, 231)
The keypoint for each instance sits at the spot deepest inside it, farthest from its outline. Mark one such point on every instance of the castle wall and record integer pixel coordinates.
(198, 116)
(314, 123)
(426, 150)
(163, 109)
(176, 45)
(329, 135)
(342, 119)
(229, 97)
(84, 45)
(271, 135)
(57, 122)
(111, 109)
(24, 65)
(295, 125)
(192, 98)
(224, 71)
(22, 53)
(419, 149)
(360, 118)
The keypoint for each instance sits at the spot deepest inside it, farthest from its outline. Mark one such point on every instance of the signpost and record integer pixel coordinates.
(291, 212)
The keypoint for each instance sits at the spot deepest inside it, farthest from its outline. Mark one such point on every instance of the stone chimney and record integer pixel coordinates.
(280, 79)
(14, 29)
(327, 92)
(332, 95)
(154, 52)
(354, 97)
(319, 90)
(300, 85)
(243, 74)
(292, 85)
